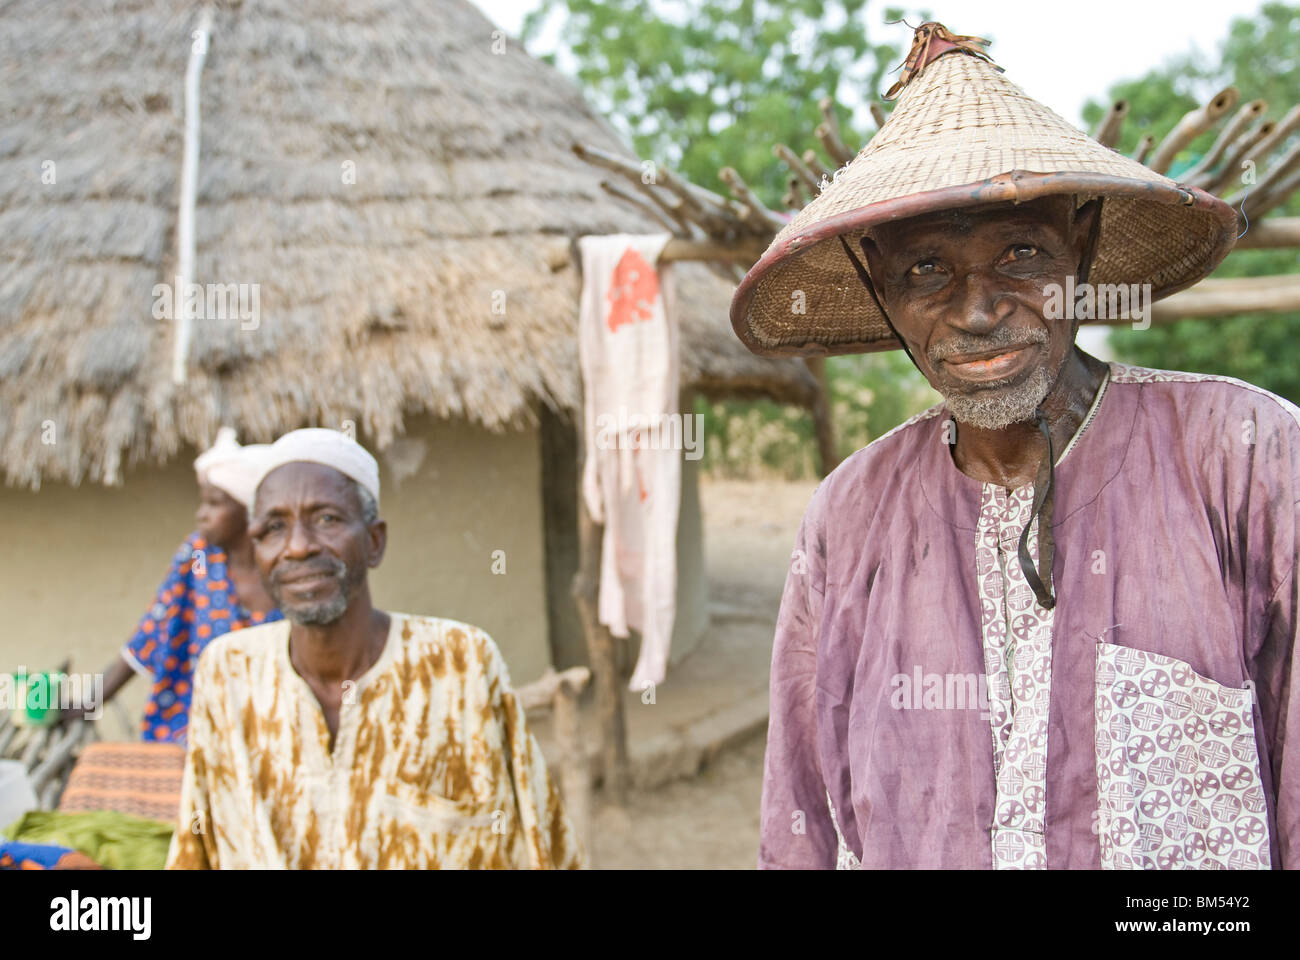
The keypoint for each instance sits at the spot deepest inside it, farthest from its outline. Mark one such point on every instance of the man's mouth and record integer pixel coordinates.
(304, 582)
(990, 364)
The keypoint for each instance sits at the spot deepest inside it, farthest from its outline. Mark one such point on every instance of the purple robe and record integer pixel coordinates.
(927, 712)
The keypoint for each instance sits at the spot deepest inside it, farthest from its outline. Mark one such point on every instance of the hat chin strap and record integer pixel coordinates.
(1044, 484)
(1044, 496)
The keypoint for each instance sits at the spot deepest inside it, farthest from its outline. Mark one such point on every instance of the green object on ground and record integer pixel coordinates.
(116, 841)
(35, 696)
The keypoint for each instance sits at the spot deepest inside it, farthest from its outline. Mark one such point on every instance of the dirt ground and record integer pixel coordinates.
(710, 821)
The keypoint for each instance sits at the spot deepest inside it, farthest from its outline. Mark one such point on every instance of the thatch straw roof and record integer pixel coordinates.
(375, 296)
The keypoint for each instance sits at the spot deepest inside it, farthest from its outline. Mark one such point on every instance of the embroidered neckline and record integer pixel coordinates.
(1088, 417)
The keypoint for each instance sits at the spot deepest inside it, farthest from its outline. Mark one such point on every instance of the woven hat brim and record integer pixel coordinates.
(836, 314)
(963, 134)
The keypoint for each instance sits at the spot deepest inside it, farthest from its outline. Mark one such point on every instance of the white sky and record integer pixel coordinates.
(1059, 53)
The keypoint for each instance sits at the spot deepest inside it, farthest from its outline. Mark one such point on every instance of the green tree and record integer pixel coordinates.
(714, 83)
(1259, 58)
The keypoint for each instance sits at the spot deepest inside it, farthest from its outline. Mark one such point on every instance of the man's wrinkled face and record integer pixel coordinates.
(967, 290)
(311, 542)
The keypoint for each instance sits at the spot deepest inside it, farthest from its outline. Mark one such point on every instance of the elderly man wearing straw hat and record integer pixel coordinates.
(1050, 622)
(345, 736)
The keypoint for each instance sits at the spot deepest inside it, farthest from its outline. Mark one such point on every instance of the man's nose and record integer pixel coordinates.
(982, 304)
(302, 542)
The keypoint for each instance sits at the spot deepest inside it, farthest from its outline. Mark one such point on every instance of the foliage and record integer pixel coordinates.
(704, 84)
(1259, 58)
(870, 395)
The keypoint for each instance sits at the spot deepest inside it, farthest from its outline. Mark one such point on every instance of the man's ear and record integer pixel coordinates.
(1085, 230)
(875, 262)
(378, 534)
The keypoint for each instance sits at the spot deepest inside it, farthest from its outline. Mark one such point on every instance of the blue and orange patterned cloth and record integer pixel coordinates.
(42, 856)
(196, 604)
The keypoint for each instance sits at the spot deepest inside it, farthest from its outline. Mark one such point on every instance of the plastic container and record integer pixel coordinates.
(16, 793)
(36, 698)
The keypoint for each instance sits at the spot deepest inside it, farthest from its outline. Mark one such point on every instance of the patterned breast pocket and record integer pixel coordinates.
(1178, 782)
(422, 830)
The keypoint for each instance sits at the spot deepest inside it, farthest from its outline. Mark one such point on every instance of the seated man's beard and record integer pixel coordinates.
(317, 613)
(989, 407)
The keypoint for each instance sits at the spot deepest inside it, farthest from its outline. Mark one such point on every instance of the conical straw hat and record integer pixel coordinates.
(963, 135)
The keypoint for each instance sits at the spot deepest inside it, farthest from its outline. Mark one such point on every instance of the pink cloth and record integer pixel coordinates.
(628, 348)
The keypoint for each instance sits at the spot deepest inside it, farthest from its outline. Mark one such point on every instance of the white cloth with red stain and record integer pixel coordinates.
(629, 354)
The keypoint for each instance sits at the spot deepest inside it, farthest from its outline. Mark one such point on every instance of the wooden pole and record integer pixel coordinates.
(1275, 196)
(1270, 234)
(1232, 166)
(1107, 133)
(651, 210)
(798, 168)
(602, 656)
(827, 455)
(559, 693)
(828, 132)
(575, 781)
(1233, 295)
(1274, 138)
(763, 220)
(678, 249)
(1255, 195)
(1238, 125)
(812, 162)
(1193, 124)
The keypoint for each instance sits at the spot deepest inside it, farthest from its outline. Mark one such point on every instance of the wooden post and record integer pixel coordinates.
(602, 656)
(575, 782)
(828, 458)
(559, 693)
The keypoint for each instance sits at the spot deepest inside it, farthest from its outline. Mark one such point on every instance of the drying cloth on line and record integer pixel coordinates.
(631, 477)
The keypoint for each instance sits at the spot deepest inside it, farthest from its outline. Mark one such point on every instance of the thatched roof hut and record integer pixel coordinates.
(385, 173)
(395, 181)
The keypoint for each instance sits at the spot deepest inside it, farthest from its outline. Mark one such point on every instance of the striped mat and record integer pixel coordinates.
(141, 779)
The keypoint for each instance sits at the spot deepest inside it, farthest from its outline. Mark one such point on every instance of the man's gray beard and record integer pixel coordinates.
(991, 409)
(317, 614)
(324, 612)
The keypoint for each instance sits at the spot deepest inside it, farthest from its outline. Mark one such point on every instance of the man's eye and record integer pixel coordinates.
(1021, 251)
(923, 268)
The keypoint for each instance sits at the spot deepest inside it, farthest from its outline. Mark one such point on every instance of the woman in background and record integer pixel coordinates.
(211, 588)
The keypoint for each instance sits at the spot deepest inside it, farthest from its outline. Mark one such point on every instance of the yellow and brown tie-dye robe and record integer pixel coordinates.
(433, 764)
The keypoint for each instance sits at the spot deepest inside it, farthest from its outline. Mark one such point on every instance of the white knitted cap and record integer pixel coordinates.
(327, 447)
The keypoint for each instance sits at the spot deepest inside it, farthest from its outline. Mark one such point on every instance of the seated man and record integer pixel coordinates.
(345, 736)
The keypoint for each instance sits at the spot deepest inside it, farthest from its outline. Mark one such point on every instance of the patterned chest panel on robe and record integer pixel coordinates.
(1017, 638)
